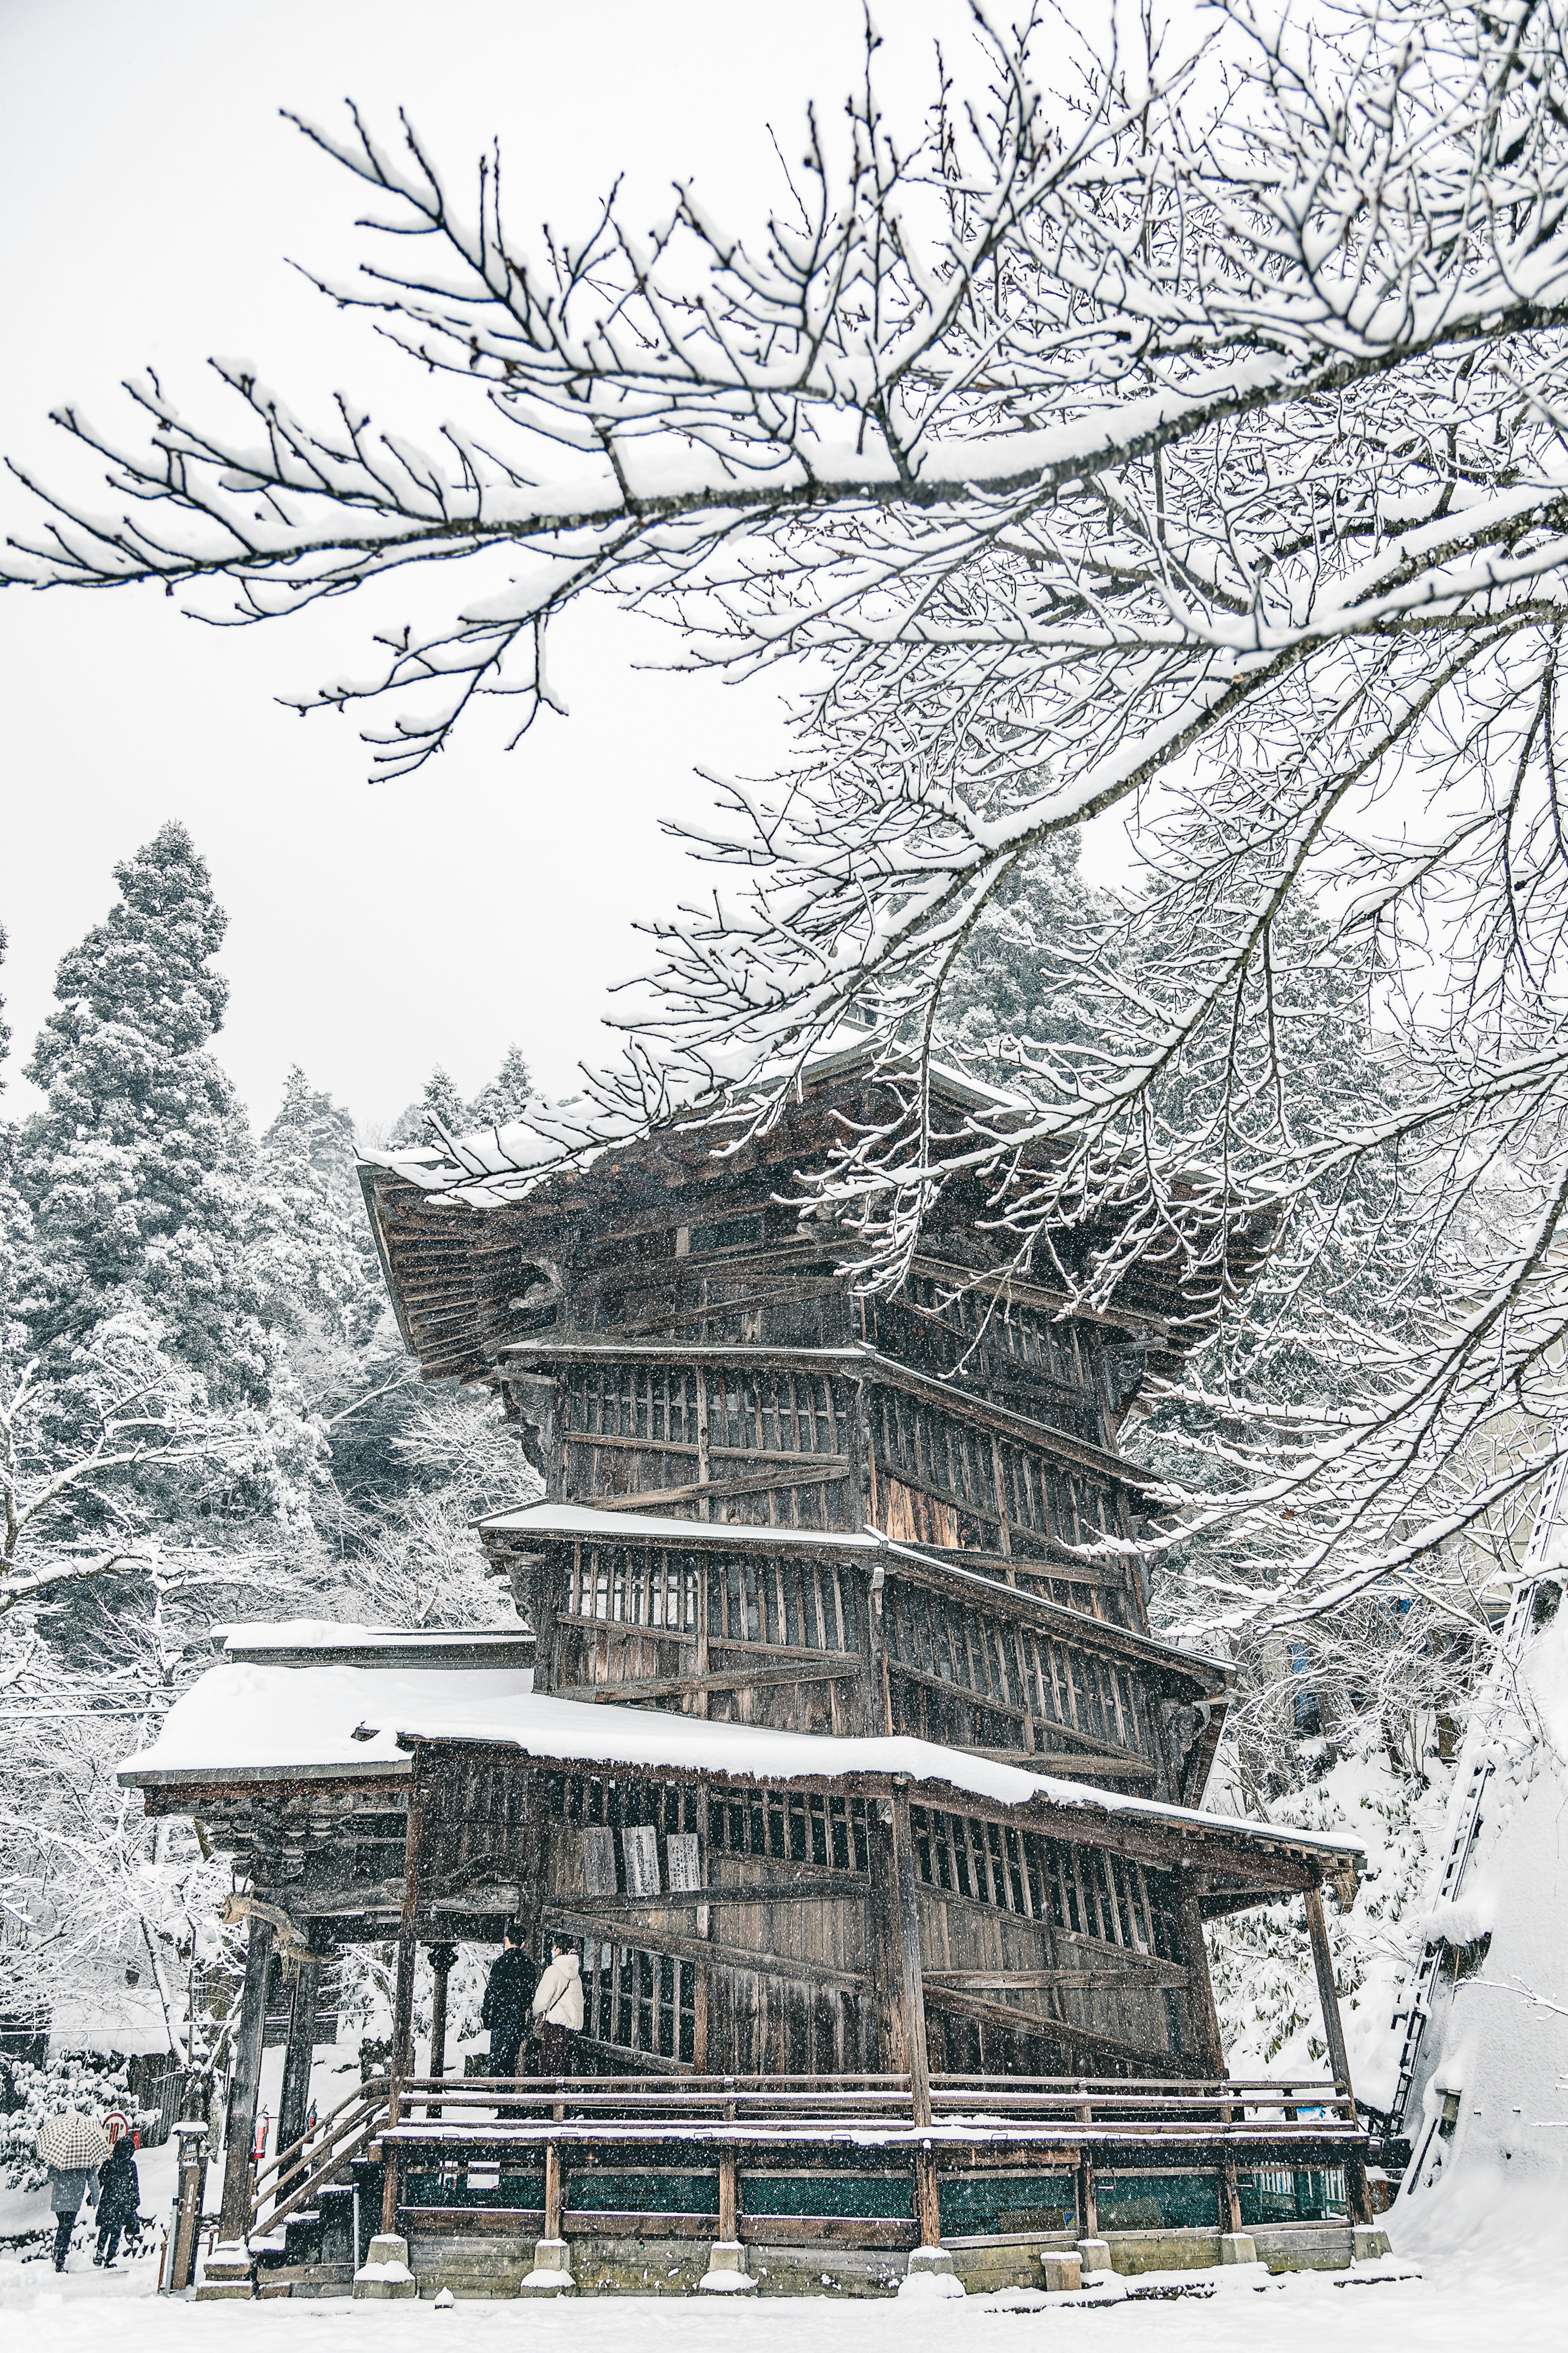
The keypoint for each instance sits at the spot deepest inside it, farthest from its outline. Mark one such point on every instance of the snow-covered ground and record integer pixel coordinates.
(1506, 2290)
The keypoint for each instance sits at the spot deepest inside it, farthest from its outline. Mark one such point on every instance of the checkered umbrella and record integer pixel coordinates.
(71, 2143)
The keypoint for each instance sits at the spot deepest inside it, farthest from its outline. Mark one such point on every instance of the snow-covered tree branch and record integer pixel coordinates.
(1181, 444)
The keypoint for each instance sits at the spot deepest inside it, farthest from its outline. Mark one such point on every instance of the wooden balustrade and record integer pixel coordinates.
(954, 2120)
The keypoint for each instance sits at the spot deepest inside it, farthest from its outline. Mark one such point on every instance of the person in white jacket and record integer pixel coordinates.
(558, 2007)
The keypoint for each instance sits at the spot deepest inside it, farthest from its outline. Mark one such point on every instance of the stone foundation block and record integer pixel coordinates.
(1368, 2243)
(929, 2259)
(1094, 2256)
(1237, 2247)
(550, 2274)
(384, 2274)
(227, 2276)
(726, 2273)
(1062, 2273)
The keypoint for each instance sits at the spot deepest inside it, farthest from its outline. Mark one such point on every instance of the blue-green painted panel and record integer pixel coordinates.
(1158, 2202)
(1007, 2202)
(890, 2194)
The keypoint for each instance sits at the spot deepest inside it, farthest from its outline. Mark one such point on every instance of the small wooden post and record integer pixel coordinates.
(553, 2202)
(729, 2199)
(927, 2198)
(1087, 2204)
(1230, 2193)
(193, 2175)
(240, 2121)
(442, 1956)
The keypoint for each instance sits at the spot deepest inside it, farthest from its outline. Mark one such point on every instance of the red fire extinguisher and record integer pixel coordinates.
(258, 2144)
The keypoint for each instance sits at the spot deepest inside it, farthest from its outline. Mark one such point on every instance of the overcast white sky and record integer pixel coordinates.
(150, 196)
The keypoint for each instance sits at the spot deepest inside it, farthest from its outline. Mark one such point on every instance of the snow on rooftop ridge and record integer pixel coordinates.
(494, 1165)
(345, 1634)
(643, 1528)
(238, 1720)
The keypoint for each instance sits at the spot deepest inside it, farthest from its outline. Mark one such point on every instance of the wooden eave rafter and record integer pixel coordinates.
(643, 1184)
(1184, 1670)
(852, 1363)
(1168, 1837)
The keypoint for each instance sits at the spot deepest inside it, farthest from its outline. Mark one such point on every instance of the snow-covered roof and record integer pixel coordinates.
(246, 1722)
(583, 1520)
(326, 1642)
(242, 1720)
(497, 1165)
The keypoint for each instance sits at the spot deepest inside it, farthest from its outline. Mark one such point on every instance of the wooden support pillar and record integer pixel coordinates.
(928, 2199)
(1328, 1997)
(401, 2065)
(910, 1972)
(1088, 2203)
(1359, 2194)
(441, 1959)
(240, 2121)
(1201, 2011)
(728, 2197)
(554, 2203)
(295, 2099)
(1230, 2196)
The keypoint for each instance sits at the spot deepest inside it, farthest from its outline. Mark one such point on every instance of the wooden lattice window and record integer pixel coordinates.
(638, 2000)
(1086, 1890)
(791, 1826)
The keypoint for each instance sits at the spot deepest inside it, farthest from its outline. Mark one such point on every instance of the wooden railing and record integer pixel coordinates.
(288, 2181)
(969, 2106)
(457, 2117)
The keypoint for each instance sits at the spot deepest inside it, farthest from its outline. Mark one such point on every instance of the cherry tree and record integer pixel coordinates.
(1179, 443)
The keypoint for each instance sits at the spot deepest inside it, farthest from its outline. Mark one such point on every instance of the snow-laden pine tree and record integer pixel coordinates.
(438, 1100)
(137, 1179)
(506, 1096)
(310, 1251)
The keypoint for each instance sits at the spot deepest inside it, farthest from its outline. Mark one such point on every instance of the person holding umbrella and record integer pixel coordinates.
(72, 2148)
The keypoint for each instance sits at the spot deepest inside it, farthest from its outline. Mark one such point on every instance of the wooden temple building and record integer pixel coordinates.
(842, 1746)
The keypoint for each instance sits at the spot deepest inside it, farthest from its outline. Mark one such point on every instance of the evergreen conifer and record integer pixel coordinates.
(507, 1095)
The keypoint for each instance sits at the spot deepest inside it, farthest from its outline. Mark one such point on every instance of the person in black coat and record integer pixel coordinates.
(119, 2199)
(509, 1998)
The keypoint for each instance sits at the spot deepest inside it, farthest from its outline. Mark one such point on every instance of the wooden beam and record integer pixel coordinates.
(1061, 2029)
(1081, 1980)
(711, 1953)
(833, 1668)
(814, 1472)
(816, 1883)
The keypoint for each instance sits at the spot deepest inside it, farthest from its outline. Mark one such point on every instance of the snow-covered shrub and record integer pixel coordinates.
(90, 2083)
